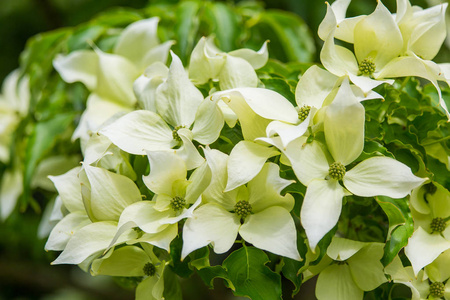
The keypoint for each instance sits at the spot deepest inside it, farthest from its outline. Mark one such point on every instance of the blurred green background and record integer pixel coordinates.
(25, 271)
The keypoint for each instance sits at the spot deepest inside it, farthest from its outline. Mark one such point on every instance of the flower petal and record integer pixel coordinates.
(321, 209)
(188, 151)
(344, 126)
(78, 66)
(256, 58)
(145, 86)
(210, 224)
(273, 230)
(423, 248)
(381, 176)
(177, 99)
(65, 229)
(245, 161)
(139, 131)
(287, 132)
(209, 122)
(341, 249)
(128, 261)
(10, 190)
(336, 282)
(69, 189)
(236, 73)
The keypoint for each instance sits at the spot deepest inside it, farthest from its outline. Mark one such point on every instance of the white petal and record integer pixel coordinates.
(346, 30)
(321, 209)
(208, 123)
(423, 248)
(314, 86)
(256, 58)
(273, 230)
(159, 53)
(143, 215)
(308, 160)
(165, 168)
(145, 86)
(139, 131)
(69, 189)
(205, 62)
(344, 126)
(65, 229)
(245, 161)
(367, 84)
(264, 190)
(110, 193)
(10, 190)
(210, 224)
(336, 282)
(188, 151)
(382, 176)
(236, 73)
(177, 99)
(328, 23)
(78, 66)
(341, 249)
(336, 59)
(115, 78)
(160, 239)
(378, 36)
(287, 132)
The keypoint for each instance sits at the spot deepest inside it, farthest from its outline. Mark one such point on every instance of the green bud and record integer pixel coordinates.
(243, 209)
(175, 134)
(437, 289)
(149, 269)
(304, 112)
(367, 66)
(177, 203)
(337, 171)
(438, 225)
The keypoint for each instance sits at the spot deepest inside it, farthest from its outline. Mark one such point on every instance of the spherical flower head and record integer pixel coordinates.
(304, 112)
(437, 289)
(177, 203)
(438, 225)
(243, 208)
(149, 269)
(337, 171)
(367, 66)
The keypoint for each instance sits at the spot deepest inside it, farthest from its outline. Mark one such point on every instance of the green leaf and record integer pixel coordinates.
(250, 276)
(395, 209)
(199, 259)
(42, 140)
(290, 271)
(181, 268)
(223, 23)
(290, 38)
(208, 274)
(172, 288)
(186, 27)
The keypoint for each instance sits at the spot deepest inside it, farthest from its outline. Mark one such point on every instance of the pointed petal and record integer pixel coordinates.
(308, 160)
(210, 224)
(78, 66)
(90, 240)
(139, 131)
(314, 86)
(165, 168)
(65, 229)
(200, 180)
(344, 126)
(321, 209)
(110, 193)
(143, 215)
(160, 239)
(423, 248)
(188, 151)
(256, 58)
(378, 36)
(264, 190)
(236, 73)
(287, 132)
(382, 176)
(177, 99)
(205, 62)
(346, 30)
(328, 23)
(366, 267)
(336, 59)
(341, 249)
(127, 261)
(145, 86)
(69, 189)
(115, 78)
(367, 84)
(336, 282)
(245, 161)
(209, 122)
(273, 230)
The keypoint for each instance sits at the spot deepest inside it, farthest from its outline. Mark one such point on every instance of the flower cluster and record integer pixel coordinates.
(206, 155)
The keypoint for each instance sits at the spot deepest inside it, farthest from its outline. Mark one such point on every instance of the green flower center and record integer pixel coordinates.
(175, 134)
(337, 171)
(177, 203)
(149, 269)
(243, 209)
(437, 289)
(438, 225)
(367, 66)
(304, 112)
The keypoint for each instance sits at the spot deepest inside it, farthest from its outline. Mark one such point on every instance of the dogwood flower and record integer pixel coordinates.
(110, 77)
(357, 268)
(182, 115)
(257, 212)
(321, 171)
(233, 70)
(430, 208)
